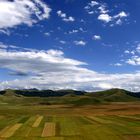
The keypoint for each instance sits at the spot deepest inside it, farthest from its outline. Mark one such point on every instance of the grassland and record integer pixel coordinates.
(69, 118)
(116, 121)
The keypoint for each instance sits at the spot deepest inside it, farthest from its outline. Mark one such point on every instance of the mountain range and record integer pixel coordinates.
(47, 97)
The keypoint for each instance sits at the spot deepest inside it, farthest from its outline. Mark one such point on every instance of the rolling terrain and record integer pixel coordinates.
(69, 115)
(77, 98)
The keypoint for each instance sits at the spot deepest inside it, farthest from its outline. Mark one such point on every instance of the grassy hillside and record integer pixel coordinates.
(35, 97)
(116, 95)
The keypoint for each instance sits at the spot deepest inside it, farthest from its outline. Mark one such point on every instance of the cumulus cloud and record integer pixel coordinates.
(105, 17)
(17, 12)
(116, 18)
(138, 48)
(122, 14)
(65, 17)
(93, 3)
(52, 70)
(134, 56)
(80, 43)
(134, 60)
(97, 37)
(104, 14)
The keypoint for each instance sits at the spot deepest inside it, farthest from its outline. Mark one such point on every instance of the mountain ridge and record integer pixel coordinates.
(53, 93)
(72, 97)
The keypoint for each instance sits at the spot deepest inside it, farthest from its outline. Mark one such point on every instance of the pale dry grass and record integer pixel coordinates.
(131, 137)
(130, 117)
(37, 121)
(4, 130)
(9, 131)
(99, 120)
(49, 130)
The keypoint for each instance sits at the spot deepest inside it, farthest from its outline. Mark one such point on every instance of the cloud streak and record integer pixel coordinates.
(51, 69)
(80, 43)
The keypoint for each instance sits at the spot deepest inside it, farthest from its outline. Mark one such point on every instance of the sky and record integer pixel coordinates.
(86, 45)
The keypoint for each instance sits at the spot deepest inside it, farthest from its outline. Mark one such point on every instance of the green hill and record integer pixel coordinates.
(49, 97)
(115, 95)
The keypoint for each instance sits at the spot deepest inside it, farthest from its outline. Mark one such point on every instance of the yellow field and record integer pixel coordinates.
(37, 121)
(9, 131)
(103, 122)
(49, 130)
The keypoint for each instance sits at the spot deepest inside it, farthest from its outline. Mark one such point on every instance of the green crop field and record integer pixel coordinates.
(69, 118)
(36, 127)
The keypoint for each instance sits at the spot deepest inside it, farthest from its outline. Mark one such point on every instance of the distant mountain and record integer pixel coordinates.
(41, 93)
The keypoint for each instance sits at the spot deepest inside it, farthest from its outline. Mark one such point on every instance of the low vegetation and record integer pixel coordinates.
(106, 115)
(74, 128)
(77, 98)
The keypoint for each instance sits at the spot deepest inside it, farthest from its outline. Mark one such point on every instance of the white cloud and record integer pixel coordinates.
(52, 70)
(65, 17)
(17, 12)
(122, 14)
(62, 42)
(103, 9)
(77, 31)
(116, 19)
(97, 37)
(105, 18)
(134, 60)
(6, 32)
(73, 31)
(138, 48)
(105, 14)
(61, 14)
(91, 12)
(80, 43)
(118, 64)
(69, 19)
(126, 51)
(93, 3)
(119, 17)
(47, 34)
(119, 22)
(2, 46)
(133, 55)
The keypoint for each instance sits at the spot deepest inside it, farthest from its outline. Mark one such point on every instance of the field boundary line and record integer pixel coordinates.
(99, 120)
(129, 117)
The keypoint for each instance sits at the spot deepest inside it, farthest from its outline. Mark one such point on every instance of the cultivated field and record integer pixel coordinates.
(96, 122)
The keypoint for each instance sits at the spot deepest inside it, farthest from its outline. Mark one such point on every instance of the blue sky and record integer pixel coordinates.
(69, 44)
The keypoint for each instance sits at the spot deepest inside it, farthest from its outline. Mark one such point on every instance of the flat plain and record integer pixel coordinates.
(114, 121)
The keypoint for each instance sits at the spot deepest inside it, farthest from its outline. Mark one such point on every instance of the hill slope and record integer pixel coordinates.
(116, 95)
(48, 97)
